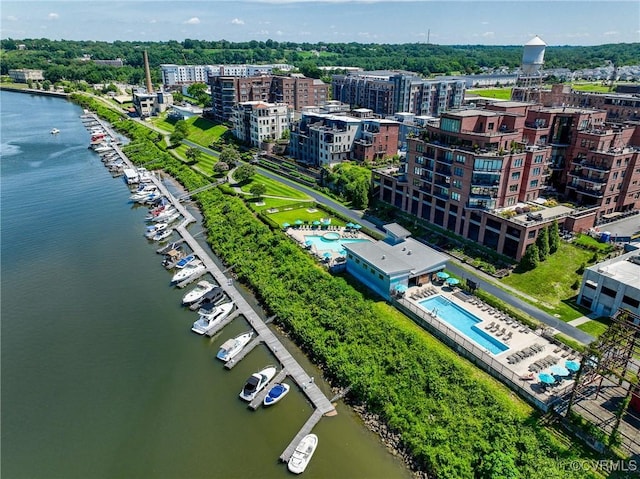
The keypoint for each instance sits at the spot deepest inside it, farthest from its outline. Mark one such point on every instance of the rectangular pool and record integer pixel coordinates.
(335, 245)
(463, 321)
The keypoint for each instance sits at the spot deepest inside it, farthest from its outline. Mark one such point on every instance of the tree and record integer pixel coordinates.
(230, 155)
(542, 242)
(258, 189)
(531, 258)
(176, 137)
(192, 154)
(244, 173)
(178, 97)
(554, 237)
(220, 168)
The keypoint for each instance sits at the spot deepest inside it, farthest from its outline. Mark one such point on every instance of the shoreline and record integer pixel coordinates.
(33, 91)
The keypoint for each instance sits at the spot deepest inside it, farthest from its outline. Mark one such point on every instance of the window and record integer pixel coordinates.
(515, 175)
(517, 162)
(450, 124)
(460, 159)
(536, 172)
(538, 159)
(608, 292)
(531, 234)
(457, 171)
(490, 126)
(513, 188)
(533, 184)
(456, 184)
(455, 196)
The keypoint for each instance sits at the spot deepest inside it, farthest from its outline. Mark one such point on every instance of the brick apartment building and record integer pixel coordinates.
(324, 139)
(296, 91)
(481, 172)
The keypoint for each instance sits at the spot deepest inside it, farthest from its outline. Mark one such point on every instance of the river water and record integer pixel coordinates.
(101, 375)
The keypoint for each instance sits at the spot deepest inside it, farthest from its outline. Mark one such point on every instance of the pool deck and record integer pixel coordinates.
(540, 358)
(299, 233)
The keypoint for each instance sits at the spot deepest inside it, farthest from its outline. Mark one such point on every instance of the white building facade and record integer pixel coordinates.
(255, 122)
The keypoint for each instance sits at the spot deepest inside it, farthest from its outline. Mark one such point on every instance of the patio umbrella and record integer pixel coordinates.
(316, 223)
(349, 225)
(401, 288)
(298, 222)
(559, 370)
(285, 225)
(452, 281)
(546, 378)
(327, 255)
(357, 226)
(572, 365)
(343, 252)
(308, 243)
(442, 275)
(326, 221)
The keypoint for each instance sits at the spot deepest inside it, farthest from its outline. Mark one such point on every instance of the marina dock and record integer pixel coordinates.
(257, 401)
(289, 366)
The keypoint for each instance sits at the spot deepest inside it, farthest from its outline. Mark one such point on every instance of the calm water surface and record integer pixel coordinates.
(101, 375)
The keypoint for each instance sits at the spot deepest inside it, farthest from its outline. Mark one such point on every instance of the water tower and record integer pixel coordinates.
(530, 78)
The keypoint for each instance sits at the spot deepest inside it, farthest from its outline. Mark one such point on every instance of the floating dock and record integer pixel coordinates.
(290, 367)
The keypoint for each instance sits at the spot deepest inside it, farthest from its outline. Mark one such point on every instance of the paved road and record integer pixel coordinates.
(481, 279)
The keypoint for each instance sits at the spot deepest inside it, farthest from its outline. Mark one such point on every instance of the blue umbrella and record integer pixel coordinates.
(327, 255)
(298, 222)
(401, 288)
(349, 225)
(572, 365)
(559, 370)
(316, 223)
(546, 378)
(326, 221)
(343, 252)
(452, 281)
(285, 225)
(357, 226)
(442, 275)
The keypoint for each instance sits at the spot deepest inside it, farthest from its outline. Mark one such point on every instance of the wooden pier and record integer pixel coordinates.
(306, 429)
(290, 367)
(246, 350)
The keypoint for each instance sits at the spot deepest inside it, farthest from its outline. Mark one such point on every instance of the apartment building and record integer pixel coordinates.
(325, 139)
(387, 92)
(173, 74)
(481, 173)
(256, 121)
(296, 91)
(24, 75)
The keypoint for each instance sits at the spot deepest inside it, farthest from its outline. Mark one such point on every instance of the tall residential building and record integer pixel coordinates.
(323, 139)
(256, 121)
(481, 173)
(389, 92)
(297, 92)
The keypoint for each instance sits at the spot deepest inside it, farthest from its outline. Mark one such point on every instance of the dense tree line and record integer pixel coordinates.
(63, 58)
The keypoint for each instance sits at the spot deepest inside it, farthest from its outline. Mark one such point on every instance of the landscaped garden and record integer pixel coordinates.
(274, 188)
(201, 131)
(306, 214)
(595, 327)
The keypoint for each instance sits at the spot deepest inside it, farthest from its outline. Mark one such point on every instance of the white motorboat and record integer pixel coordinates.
(185, 261)
(302, 455)
(193, 268)
(276, 393)
(173, 218)
(257, 382)
(211, 317)
(163, 235)
(231, 347)
(54, 131)
(165, 214)
(155, 229)
(202, 288)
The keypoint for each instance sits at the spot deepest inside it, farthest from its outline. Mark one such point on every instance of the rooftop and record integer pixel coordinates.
(621, 268)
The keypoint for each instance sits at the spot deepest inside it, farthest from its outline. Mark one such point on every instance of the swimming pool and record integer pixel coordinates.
(323, 244)
(463, 321)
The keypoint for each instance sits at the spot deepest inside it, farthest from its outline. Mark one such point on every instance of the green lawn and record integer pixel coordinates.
(291, 216)
(587, 240)
(500, 93)
(271, 203)
(275, 188)
(597, 87)
(551, 281)
(201, 131)
(595, 327)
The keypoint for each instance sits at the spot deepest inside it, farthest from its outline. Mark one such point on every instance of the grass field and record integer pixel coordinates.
(499, 93)
(275, 188)
(551, 281)
(587, 240)
(291, 216)
(201, 131)
(596, 87)
(595, 327)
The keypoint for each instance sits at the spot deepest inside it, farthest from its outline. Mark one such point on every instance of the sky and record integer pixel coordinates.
(449, 22)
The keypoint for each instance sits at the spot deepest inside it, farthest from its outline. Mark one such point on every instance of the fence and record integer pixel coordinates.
(479, 356)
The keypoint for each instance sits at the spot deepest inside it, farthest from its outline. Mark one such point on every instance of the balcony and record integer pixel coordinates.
(590, 179)
(594, 166)
(443, 170)
(596, 193)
